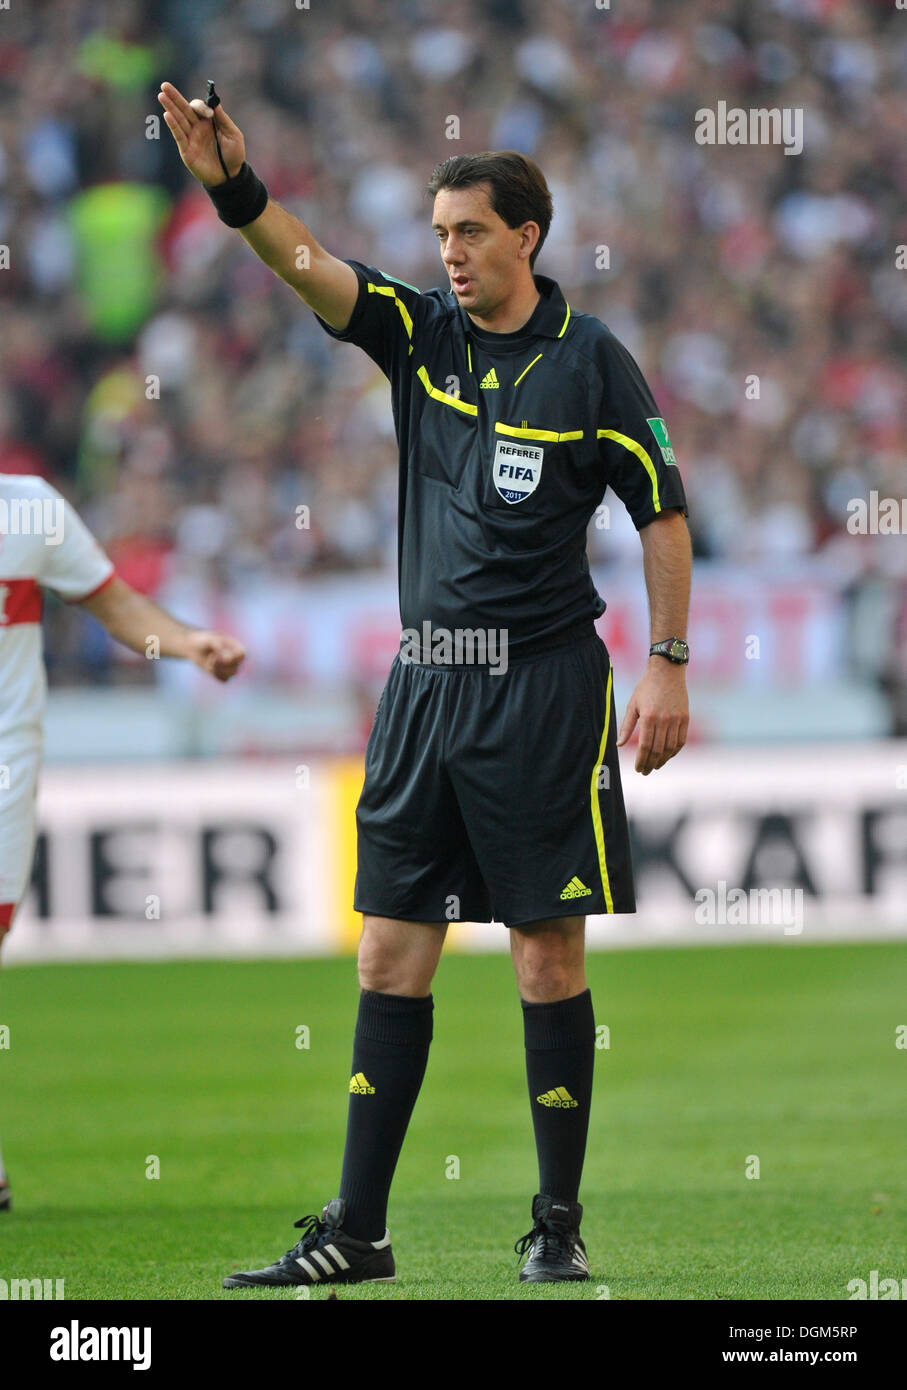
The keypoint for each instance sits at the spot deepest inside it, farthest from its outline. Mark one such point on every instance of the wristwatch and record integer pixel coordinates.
(674, 648)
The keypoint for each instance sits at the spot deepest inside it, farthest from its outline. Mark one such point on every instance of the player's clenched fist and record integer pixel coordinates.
(192, 128)
(215, 652)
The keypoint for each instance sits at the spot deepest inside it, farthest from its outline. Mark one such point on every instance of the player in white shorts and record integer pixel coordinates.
(44, 544)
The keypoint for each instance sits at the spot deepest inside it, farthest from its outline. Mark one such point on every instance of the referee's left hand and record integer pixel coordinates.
(659, 705)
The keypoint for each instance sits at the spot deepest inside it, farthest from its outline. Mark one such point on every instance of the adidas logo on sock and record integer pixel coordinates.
(489, 381)
(576, 889)
(558, 1099)
(359, 1085)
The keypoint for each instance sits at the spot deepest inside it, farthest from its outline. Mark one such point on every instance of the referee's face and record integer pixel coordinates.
(484, 258)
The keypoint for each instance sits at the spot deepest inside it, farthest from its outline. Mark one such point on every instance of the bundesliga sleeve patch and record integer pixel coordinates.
(397, 281)
(660, 431)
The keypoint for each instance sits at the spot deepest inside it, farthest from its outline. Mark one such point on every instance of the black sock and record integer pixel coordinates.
(390, 1050)
(560, 1058)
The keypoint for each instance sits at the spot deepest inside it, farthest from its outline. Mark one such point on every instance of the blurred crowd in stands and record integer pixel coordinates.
(187, 401)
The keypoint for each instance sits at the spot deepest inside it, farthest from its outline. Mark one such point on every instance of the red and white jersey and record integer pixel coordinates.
(44, 543)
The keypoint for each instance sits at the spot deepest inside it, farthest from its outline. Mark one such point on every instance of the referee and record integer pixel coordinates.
(492, 785)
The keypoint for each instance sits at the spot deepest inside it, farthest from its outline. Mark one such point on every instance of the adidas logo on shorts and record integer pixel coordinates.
(576, 889)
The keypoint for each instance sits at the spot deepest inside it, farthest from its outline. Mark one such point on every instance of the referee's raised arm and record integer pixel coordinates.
(328, 285)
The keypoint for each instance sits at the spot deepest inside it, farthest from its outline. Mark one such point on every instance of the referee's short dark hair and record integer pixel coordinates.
(519, 192)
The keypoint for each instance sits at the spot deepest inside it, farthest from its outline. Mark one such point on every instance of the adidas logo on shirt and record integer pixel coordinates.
(489, 381)
(558, 1099)
(576, 889)
(359, 1085)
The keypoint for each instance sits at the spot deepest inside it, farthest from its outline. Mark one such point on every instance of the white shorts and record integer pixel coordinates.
(19, 767)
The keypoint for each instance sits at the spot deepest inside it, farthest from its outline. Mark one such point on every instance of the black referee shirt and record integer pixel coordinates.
(507, 442)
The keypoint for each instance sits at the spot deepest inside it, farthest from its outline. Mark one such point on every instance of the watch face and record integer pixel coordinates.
(679, 650)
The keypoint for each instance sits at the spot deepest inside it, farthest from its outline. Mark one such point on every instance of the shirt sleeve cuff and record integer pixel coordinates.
(96, 590)
(342, 335)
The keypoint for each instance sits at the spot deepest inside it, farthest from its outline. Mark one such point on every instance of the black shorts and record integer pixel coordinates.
(495, 797)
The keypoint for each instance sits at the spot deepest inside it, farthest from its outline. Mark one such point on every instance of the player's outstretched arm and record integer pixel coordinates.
(135, 621)
(326, 284)
(659, 703)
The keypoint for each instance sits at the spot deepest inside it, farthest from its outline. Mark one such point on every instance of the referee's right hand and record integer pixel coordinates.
(190, 126)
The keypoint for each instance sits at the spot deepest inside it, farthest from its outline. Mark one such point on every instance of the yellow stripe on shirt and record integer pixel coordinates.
(641, 454)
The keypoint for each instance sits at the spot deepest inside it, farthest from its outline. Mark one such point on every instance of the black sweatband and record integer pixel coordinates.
(239, 200)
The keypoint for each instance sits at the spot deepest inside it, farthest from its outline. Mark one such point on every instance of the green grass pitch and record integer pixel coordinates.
(784, 1052)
